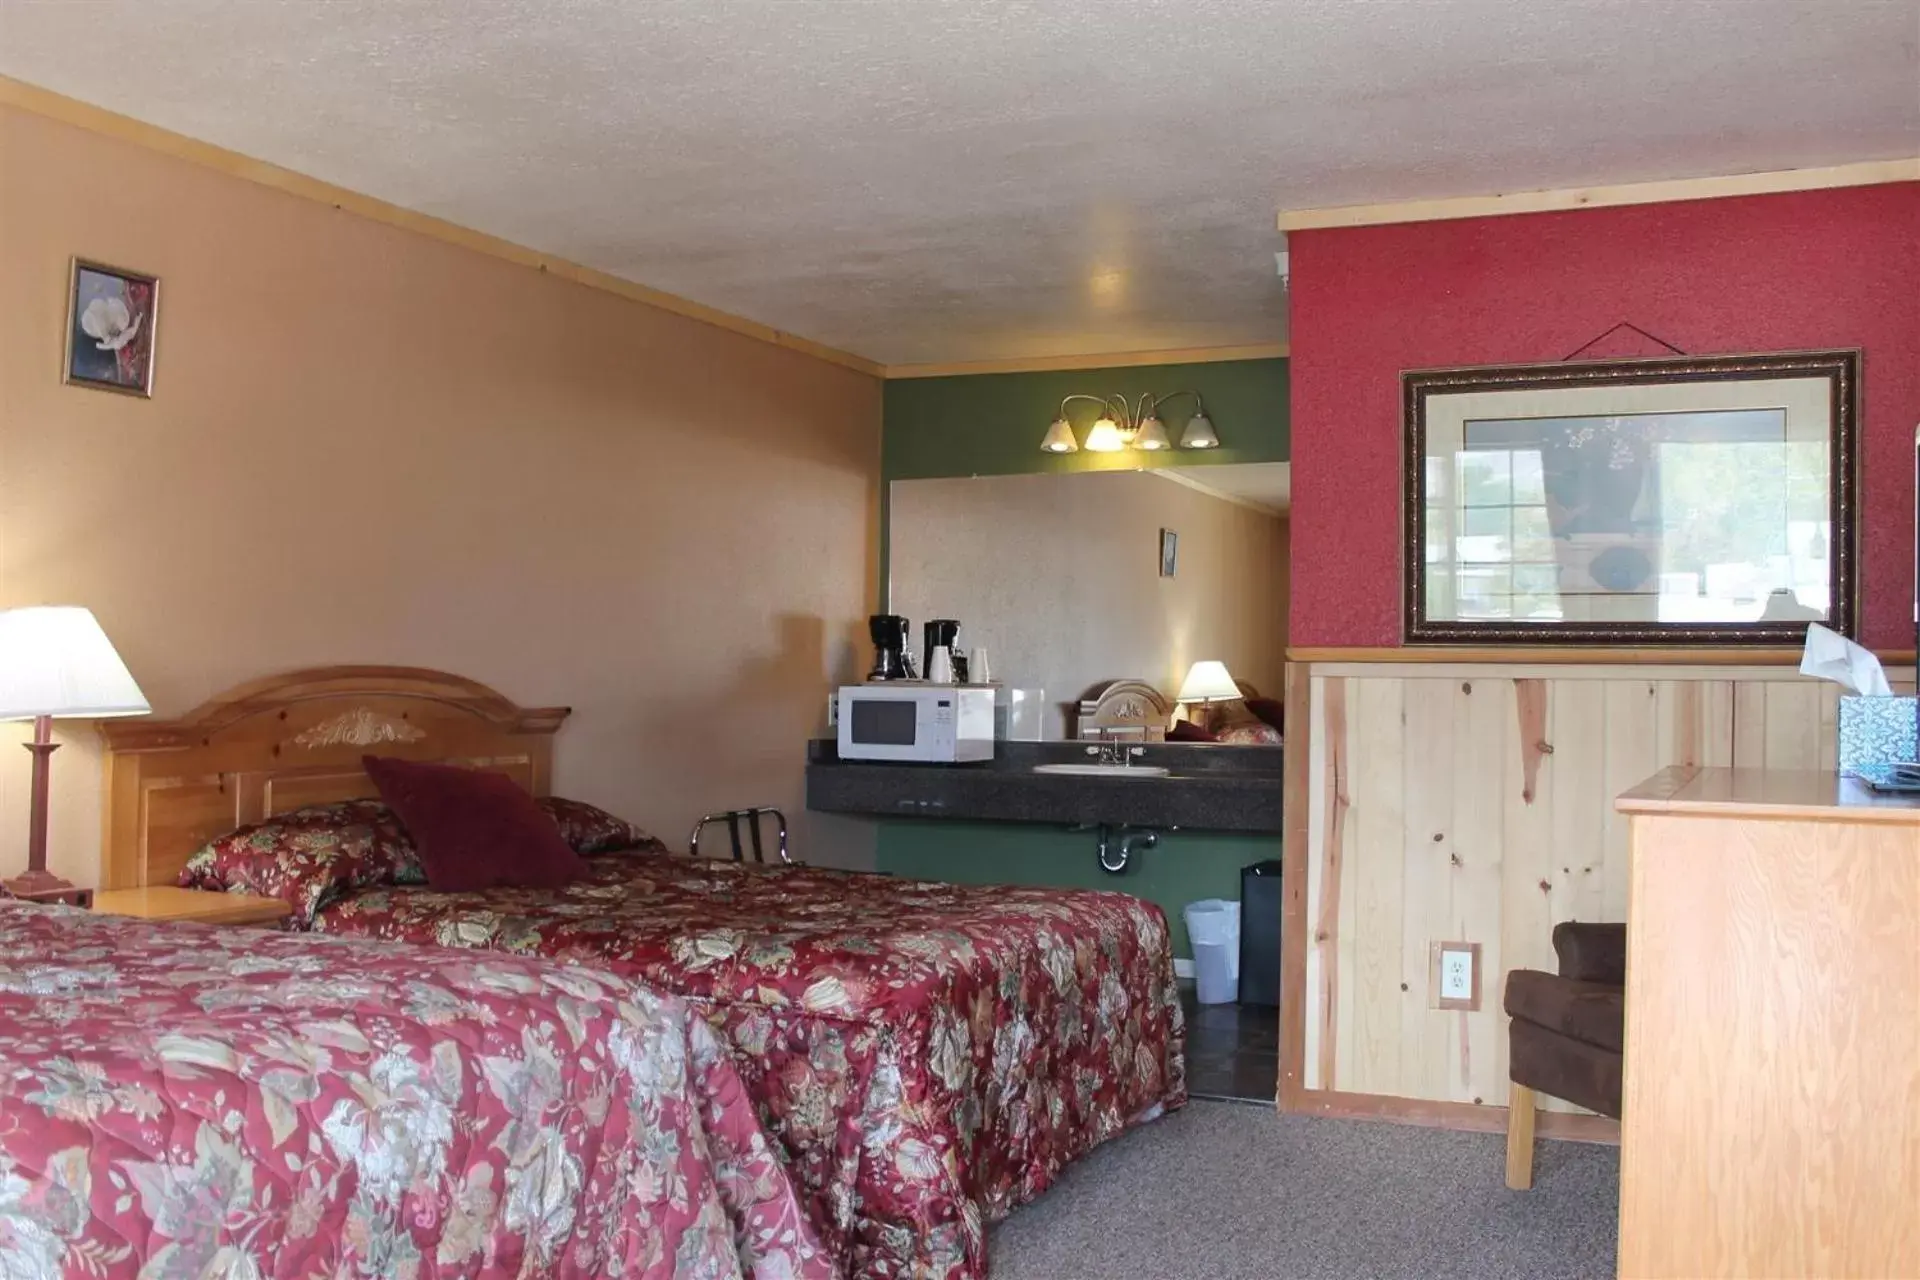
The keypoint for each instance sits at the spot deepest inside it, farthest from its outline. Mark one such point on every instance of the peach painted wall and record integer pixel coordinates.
(369, 446)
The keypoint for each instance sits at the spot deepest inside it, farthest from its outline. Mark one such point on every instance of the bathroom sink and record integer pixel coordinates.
(1104, 770)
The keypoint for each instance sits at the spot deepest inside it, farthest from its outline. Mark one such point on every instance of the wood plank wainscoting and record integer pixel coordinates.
(1467, 796)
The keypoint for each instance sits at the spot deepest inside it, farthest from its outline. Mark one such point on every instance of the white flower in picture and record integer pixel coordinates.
(108, 322)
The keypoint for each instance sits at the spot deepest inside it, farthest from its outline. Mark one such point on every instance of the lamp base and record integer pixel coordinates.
(36, 883)
(44, 886)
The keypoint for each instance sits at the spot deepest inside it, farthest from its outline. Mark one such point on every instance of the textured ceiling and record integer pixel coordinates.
(938, 180)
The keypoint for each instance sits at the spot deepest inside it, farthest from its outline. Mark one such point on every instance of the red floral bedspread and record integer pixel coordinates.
(930, 1055)
(177, 1101)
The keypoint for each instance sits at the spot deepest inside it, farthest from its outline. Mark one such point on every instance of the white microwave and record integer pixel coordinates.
(928, 723)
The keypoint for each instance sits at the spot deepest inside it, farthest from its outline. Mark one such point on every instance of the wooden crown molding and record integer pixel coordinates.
(1116, 360)
(111, 124)
(1863, 174)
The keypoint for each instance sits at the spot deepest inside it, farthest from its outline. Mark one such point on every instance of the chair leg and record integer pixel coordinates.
(1520, 1138)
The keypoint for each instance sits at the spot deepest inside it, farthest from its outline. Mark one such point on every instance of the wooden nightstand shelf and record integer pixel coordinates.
(70, 896)
(165, 902)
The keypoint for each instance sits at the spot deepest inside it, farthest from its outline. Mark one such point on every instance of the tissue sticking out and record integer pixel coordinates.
(1831, 656)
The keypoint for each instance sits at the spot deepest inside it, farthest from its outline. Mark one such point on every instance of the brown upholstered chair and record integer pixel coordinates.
(1566, 1034)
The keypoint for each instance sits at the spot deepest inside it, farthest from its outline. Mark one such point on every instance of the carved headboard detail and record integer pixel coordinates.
(1123, 709)
(293, 740)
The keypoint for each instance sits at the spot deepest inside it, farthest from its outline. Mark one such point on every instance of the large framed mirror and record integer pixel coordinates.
(1072, 581)
(1643, 502)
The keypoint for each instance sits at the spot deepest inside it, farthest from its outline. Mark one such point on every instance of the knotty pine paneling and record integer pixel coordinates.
(1475, 804)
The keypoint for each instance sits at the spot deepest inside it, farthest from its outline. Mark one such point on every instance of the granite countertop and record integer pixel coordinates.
(1210, 788)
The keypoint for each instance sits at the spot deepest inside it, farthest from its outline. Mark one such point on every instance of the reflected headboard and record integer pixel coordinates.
(293, 740)
(1123, 709)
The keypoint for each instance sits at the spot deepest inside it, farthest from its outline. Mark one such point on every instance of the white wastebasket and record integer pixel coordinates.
(1213, 926)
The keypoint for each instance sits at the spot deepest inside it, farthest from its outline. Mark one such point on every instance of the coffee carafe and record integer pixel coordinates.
(940, 633)
(891, 635)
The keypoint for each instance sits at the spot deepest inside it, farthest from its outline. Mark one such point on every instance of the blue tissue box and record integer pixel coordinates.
(1876, 731)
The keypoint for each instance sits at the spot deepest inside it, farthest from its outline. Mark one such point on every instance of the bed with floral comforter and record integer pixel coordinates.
(929, 1055)
(177, 1101)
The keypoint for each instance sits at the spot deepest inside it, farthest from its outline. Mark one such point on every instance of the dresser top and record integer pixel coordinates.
(1771, 793)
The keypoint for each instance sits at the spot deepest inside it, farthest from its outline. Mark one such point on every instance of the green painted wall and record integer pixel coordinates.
(991, 424)
(1185, 867)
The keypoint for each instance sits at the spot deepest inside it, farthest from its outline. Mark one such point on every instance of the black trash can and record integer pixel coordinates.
(1260, 933)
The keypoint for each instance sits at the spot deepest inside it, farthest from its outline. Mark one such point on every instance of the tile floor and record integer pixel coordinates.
(1233, 1050)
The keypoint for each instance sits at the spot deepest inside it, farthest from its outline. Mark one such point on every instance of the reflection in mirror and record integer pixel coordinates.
(1705, 499)
(1059, 577)
(1634, 519)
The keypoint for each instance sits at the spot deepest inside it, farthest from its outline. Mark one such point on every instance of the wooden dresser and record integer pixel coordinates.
(1771, 1117)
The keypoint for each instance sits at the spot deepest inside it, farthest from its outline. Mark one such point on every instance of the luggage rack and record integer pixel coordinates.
(750, 819)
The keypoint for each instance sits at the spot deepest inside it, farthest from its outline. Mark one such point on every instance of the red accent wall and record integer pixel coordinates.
(1756, 273)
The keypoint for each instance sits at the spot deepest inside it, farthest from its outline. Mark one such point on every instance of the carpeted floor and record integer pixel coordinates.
(1228, 1191)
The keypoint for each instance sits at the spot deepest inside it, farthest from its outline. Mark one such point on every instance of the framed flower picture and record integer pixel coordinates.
(111, 317)
(1706, 500)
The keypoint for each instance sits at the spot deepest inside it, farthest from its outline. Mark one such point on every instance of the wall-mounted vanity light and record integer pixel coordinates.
(1138, 426)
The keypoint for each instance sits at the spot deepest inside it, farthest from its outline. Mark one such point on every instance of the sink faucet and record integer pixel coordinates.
(1114, 754)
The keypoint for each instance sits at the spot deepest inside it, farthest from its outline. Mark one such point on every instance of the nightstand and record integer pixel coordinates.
(166, 902)
(70, 896)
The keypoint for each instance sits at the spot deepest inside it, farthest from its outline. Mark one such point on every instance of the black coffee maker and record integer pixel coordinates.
(943, 632)
(891, 635)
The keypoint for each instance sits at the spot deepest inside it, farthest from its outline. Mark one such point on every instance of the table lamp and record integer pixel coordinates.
(56, 661)
(1207, 683)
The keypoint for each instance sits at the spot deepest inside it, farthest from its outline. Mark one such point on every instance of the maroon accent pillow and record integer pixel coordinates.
(1188, 731)
(474, 829)
(1271, 710)
(589, 829)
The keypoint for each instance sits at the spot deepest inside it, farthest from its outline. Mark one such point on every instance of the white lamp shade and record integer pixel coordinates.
(1105, 437)
(56, 661)
(1059, 438)
(1152, 435)
(1208, 682)
(1199, 433)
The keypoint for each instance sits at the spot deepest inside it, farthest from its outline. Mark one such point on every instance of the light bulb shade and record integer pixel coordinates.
(1105, 437)
(1199, 433)
(56, 661)
(1152, 435)
(1208, 682)
(1059, 438)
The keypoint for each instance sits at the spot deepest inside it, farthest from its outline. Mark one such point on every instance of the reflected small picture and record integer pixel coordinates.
(111, 316)
(1169, 553)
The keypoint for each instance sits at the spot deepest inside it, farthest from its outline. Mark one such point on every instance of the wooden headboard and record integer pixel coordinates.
(293, 740)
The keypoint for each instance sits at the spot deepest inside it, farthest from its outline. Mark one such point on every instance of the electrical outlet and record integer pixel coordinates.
(1454, 979)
